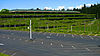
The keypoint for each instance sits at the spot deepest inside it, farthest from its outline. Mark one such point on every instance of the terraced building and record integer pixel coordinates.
(25, 13)
(67, 22)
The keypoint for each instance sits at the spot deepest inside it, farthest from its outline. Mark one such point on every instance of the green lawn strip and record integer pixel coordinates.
(1, 54)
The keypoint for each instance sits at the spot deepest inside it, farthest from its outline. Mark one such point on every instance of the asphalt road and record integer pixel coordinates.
(17, 43)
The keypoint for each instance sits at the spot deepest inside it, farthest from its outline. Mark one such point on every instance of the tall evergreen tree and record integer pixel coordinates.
(93, 9)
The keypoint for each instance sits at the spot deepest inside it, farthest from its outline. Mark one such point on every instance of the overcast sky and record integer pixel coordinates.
(48, 4)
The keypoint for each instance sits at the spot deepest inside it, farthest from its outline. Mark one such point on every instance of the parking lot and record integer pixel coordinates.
(17, 43)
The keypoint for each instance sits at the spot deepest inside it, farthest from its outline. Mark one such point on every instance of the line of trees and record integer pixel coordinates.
(93, 9)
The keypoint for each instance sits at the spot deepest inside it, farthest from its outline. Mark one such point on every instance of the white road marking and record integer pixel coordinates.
(62, 45)
(41, 42)
(8, 38)
(1, 44)
(48, 37)
(73, 47)
(64, 35)
(87, 49)
(13, 54)
(81, 36)
(20, 39)
(50, 43)
(91, 38)
(57, 34)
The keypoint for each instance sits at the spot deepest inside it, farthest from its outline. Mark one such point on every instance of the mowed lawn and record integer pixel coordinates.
(1, 54)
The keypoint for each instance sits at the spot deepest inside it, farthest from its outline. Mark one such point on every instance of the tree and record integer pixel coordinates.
(31, 9)
(84, 5)
(84, 9)
(4, 11)
(93, 9)
(69, 10)
(37, 8)
(45, 9)
(74, 9)
(63, 9)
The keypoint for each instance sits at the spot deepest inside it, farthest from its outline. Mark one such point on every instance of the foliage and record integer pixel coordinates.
(55, 24)
(93, 9)
(38, 9)
(79, 26)
(63, 9)
(4, 11)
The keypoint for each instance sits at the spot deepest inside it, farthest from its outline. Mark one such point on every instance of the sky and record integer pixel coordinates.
(48, 4)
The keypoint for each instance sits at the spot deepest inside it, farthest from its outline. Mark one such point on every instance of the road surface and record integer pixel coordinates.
(17, 43)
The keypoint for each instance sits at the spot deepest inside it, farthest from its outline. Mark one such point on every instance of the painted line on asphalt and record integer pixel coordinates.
(8, 38)
(57, 34)
(64, 35)
(62, 45)
(87, 49)
(42, 43)
(81, 37)
(13, 54)
(48, 37)
(50, 43)
(91, 38)
(20, 39)
(73, 47)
